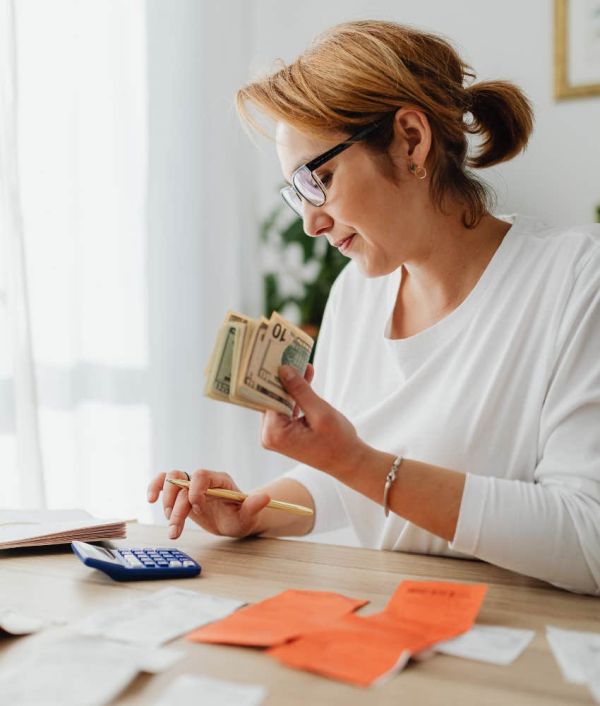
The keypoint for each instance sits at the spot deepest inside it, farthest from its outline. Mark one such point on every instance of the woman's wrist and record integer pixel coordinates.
(365, 469)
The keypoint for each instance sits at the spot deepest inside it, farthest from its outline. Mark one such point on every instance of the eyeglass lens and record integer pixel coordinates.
(309, 188)
(293, 200)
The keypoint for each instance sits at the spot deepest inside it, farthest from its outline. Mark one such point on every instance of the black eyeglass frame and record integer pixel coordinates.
(318, 162)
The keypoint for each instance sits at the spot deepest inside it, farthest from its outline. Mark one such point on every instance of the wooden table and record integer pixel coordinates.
(52, 582)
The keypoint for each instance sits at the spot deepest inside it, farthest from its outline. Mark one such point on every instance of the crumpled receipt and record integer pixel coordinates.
(578, 655)
(16, 622)
(66, 669)
(488, 643)
(192, 689)
(158, 617)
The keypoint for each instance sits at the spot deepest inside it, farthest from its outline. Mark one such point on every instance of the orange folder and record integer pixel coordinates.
(277, 619)
(363, 650)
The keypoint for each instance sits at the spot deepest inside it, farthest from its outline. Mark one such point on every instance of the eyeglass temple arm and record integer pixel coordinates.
(334, 151)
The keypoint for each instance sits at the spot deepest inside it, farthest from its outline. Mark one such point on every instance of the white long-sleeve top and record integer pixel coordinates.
(506, 389)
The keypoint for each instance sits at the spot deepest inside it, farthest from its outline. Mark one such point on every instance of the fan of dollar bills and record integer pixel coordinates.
(243, 367)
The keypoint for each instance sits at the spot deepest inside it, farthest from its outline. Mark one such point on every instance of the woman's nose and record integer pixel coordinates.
(316, 221)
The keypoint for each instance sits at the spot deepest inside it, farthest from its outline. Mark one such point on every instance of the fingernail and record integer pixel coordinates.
(168, 511)
(286, 372)
(172, 531)
(197, 509)
(150, 495)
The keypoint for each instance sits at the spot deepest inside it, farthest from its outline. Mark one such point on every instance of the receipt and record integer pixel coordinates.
(16, 622)
(158, 617)
(578, 656)
(98, 670)
(488, 643)
(577, 653)
(188, 689)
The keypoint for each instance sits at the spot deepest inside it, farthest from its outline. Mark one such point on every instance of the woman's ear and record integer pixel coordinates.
(412, 136)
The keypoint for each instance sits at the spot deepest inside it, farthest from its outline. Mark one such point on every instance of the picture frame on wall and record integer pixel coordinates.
(576, 48)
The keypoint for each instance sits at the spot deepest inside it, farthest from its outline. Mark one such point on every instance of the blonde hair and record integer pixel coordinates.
(359, 72)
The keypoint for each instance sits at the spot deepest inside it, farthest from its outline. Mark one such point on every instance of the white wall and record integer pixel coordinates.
(202, 232)
(557, 178)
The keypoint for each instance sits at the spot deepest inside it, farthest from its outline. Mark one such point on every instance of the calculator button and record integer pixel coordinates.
(189, 563)
(133, 562)
(174, 562)
(160, 562)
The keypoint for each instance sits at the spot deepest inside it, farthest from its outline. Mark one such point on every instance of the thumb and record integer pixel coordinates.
(300, 390)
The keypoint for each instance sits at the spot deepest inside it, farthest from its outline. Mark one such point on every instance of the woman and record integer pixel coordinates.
(456, 402)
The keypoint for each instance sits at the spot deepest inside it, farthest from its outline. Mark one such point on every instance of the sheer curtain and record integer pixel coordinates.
(127, 231)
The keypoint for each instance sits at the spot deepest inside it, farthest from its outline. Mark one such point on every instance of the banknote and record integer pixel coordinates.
(243, 367)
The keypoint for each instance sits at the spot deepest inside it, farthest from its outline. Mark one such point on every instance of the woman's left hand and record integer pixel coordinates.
(323, 438)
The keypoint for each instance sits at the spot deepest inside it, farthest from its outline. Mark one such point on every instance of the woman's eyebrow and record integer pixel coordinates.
(302, 162)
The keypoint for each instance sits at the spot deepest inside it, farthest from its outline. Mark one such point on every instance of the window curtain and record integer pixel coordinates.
(128, 228)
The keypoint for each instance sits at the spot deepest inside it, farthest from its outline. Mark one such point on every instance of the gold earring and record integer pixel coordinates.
(419, 172)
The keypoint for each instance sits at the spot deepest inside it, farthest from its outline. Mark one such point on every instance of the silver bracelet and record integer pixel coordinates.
(389, 480)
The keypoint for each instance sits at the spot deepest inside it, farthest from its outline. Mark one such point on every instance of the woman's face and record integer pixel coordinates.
(371, 215)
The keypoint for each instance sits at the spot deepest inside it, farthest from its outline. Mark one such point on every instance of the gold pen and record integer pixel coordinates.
(240, 497)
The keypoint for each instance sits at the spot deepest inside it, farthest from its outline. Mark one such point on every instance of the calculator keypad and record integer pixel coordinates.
(154, 558)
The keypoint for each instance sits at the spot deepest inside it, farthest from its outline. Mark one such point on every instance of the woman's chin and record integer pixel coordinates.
(372, 269)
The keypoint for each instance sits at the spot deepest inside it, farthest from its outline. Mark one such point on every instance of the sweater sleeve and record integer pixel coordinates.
(330, 513)
(550, 529)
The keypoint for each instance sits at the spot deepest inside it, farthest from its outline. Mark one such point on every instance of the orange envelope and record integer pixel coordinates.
(364, 650)
(277, 619)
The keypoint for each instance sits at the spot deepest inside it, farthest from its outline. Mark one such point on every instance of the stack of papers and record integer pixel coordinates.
(35, 528)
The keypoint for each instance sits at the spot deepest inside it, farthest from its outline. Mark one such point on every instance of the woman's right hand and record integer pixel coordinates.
(222, 517)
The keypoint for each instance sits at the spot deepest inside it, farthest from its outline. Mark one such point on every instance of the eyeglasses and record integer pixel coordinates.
(306, 185)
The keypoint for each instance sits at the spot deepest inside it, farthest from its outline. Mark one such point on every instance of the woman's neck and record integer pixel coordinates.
(450, 264)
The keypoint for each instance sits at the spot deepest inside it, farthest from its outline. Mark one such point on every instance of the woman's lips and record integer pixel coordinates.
(346, 244)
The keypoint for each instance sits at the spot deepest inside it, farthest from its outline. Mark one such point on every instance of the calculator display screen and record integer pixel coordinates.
(97, 553)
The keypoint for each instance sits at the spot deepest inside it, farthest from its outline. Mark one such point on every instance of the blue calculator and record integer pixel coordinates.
(137, 564)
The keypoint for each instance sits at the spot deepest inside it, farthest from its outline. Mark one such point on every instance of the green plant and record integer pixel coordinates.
(298, 270)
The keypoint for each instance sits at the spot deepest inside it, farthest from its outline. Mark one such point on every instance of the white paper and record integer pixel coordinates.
(577, 653)
(594, 687)
(488, 643)
(16, 622)
(158, 617)
(74, 670)
(189, 689)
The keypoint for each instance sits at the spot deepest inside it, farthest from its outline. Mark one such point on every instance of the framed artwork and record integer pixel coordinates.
(576, 48)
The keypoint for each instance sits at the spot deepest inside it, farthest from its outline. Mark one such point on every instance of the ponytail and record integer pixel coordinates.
(503, 115)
